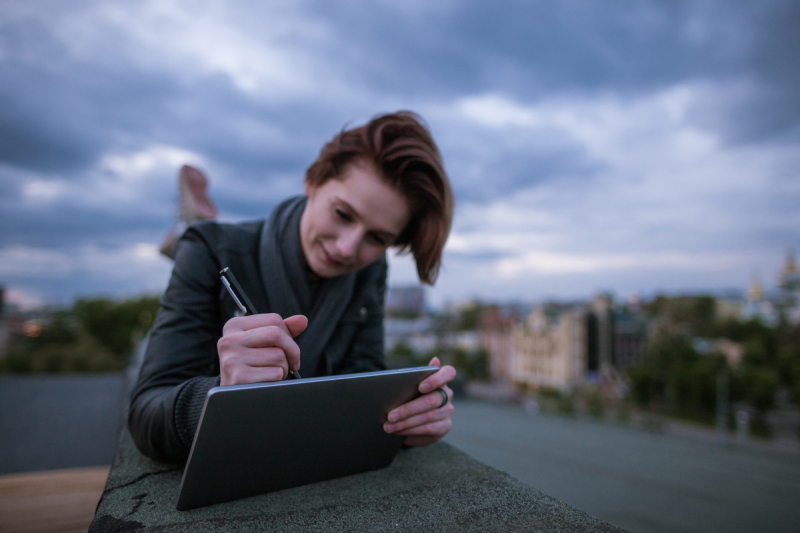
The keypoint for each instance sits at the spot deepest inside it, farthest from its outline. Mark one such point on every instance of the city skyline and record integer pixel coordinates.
(592, 148)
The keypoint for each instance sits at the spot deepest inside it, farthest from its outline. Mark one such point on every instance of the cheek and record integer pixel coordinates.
(324, 224)
(370, 253)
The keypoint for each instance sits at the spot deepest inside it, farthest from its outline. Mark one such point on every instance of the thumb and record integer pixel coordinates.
(435, 362)
(296, 324)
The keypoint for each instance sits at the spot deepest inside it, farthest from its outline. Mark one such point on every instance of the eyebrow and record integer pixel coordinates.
(390, 236)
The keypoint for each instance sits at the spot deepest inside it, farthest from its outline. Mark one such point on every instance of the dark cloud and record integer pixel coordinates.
(62, 111)
(485, 177)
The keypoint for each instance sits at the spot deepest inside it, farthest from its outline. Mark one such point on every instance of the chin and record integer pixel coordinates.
(325, 270)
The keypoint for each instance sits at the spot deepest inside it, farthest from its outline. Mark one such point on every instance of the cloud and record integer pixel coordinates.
(667, 194)
(544, 262)
(588, 144)
(126, 270)
(22, 299)
(261, 49)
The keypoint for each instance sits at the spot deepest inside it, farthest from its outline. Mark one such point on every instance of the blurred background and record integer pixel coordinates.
(620, 291)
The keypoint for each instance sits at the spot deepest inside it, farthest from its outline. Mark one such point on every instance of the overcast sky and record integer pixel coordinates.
(620, 146)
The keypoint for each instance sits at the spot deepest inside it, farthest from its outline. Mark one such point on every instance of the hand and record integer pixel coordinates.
(422, 421)
(259, 348)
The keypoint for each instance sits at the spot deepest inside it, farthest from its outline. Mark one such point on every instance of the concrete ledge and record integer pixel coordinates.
(438, 488)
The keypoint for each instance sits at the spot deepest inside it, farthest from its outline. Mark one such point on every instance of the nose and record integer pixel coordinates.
(347, 243)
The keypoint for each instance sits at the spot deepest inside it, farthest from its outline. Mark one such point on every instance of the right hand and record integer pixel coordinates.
(259, 348)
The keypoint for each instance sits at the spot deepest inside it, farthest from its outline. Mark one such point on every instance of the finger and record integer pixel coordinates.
(420, 419)
(435, 362)
(244, 358)
(434, 429)
(427, 402)
(245, 323)
(296, 324)
(439, 379)
(244, 374)
(273, 337)
(263, 357)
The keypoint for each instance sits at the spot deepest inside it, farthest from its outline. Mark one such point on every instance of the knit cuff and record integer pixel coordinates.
(189, 407)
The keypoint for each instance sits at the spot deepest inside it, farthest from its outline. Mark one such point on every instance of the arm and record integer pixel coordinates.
(421, 421)
(190, 352)
(181, 363)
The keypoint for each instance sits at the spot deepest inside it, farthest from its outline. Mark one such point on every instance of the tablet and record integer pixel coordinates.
(264, 437)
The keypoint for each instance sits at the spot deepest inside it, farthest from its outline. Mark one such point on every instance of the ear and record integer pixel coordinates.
(309, 189)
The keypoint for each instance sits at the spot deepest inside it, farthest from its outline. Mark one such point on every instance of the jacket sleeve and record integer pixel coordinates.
(181, 362)
(366, 352)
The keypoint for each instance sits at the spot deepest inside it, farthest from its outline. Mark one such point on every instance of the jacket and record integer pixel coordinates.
(181, 362)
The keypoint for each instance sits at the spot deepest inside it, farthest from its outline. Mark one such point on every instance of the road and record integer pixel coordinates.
(640, 481)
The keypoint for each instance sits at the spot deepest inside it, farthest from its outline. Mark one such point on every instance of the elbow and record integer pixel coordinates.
(151, 427)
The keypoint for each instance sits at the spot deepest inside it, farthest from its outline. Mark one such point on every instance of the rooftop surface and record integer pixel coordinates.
(438, 488)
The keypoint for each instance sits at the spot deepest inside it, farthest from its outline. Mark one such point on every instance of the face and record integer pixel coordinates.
(349, 221)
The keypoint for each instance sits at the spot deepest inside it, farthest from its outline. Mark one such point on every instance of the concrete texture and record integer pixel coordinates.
(644, 482)
(438, 488)
(51, 422)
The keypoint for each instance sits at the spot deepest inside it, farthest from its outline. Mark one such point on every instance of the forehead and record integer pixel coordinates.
(374, 202)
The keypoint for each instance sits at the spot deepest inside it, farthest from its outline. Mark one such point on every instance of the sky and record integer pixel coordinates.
(629, 147)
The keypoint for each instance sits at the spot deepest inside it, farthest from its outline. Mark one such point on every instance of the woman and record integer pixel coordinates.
(317, 272)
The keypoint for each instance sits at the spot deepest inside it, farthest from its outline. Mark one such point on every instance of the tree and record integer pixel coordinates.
(95, 335)
(114, 323)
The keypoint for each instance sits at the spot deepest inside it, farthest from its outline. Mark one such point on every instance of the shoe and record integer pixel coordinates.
(194, 202)
(193, 205)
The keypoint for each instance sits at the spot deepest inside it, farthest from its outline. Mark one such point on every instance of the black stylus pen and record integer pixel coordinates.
(244, 303)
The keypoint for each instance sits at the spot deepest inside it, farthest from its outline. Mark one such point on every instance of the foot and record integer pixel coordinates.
(194, 201)
(193, 205)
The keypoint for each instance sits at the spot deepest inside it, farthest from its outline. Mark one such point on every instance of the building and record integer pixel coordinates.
(549, 349)
(564, 345)
(414, 333)
(732, 351)
(789, 287)
(629, 339)
(405, 301)
(757, 307)
(495, 337)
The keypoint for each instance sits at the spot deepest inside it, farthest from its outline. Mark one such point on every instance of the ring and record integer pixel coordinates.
(444, 397)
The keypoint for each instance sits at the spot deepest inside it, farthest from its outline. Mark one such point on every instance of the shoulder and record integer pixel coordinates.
(370, 286)
(243, 237)
(374, 273)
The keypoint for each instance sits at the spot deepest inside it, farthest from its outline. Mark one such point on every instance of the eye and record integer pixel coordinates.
(342, 215)
(377, 239)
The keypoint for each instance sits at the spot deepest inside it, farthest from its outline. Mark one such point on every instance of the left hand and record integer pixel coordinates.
(422, 421)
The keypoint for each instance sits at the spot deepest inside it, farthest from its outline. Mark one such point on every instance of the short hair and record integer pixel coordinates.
(402, 151)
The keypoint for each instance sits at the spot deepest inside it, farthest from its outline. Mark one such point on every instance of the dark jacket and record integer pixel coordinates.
(181, 362)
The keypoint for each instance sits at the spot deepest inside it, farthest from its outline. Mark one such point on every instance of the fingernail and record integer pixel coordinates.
(388, 428)
(424, 387)
(393, 417)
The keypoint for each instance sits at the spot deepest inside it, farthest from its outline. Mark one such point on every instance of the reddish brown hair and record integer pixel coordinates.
(402, 151)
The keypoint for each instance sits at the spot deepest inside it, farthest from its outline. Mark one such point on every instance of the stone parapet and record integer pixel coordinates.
(438, 488)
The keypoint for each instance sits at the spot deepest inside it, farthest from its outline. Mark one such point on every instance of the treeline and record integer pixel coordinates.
(95, 335)
(676, 378)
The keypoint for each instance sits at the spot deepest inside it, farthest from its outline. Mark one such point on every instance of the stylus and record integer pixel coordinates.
(243, 302)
